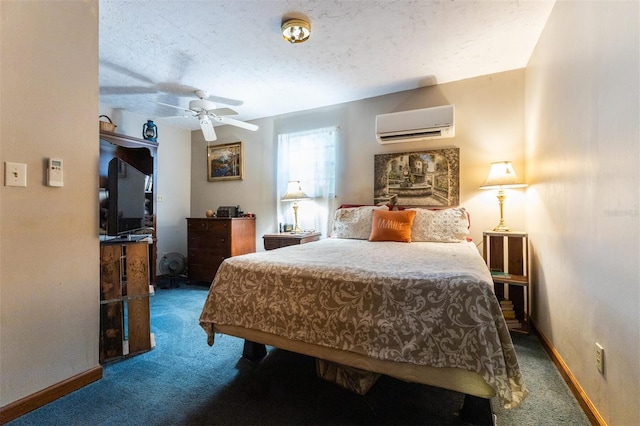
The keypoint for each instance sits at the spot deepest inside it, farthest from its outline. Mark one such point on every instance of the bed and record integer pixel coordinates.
(422, 311)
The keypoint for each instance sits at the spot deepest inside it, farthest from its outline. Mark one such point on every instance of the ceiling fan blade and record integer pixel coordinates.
(126, 90)
(170, 117)
(207, 129)
(125, 71)
(176, 107)
(222, 111)
(226, 101)
(237, 123)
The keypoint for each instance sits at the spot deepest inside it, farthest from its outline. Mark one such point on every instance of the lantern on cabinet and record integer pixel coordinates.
(150, 131)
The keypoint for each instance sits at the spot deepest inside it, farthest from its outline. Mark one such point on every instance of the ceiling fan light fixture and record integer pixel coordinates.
(204, 118)
(206, 112)
(201, 105)
(296, 30)
(207, 127)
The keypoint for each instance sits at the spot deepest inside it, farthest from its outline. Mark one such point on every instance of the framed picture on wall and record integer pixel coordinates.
(420, 178)
(225, 162)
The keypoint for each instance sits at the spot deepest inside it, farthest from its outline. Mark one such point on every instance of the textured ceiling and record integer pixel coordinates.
(161, 51)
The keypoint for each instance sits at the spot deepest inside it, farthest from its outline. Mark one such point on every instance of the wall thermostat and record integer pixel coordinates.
(54, 172)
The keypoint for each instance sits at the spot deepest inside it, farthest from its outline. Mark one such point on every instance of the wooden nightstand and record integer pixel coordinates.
(507, 255)
(283, 239)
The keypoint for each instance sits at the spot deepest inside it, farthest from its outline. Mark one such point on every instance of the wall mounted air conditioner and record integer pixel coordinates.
(416, 125)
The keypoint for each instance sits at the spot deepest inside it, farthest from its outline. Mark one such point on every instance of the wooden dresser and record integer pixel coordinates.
(212, 240)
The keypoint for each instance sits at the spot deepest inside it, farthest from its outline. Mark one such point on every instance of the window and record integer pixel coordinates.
(308, 157)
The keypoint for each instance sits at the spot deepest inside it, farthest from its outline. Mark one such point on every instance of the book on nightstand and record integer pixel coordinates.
(509, 314)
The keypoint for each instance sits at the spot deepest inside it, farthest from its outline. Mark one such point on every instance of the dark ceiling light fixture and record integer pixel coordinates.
(296, 30)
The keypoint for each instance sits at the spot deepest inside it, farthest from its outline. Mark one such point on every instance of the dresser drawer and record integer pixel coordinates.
(212, 240)
(205, 273)
(275, 241)
(271, 244)
(204, 225)
(205, 257)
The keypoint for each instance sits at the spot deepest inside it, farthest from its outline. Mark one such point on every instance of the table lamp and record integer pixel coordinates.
(294, 193)
(501, 176)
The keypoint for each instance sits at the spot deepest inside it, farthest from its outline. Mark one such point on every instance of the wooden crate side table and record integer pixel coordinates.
(507, 255)
(284, 239)
(125, 321)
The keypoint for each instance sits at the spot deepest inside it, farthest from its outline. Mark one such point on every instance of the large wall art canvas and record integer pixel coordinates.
(421, 178)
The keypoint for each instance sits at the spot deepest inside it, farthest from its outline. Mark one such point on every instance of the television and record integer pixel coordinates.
(126, 211)
(125, 191)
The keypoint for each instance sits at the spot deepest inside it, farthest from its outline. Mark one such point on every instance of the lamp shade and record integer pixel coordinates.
(294, 192)
(502, 175)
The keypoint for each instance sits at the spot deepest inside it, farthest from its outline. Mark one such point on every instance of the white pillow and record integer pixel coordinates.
(444, 226)
(354, 222)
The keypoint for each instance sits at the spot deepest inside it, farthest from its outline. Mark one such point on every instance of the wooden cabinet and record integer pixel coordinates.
(507, 255)
(282, 239)
(212, 240)
(125, 327)
(128, 174)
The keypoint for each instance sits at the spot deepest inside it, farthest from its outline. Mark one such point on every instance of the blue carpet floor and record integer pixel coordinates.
(183, 381)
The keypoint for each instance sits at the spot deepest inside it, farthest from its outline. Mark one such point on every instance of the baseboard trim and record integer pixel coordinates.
(585, 403)
(23, 406)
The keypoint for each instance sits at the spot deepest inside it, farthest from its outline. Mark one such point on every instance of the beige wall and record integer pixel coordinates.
(582, 121)
(489, 127)
(49, 269)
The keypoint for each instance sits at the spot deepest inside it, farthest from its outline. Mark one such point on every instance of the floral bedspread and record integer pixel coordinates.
(422, 302)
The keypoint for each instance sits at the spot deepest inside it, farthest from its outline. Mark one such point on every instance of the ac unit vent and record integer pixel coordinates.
(414, 125)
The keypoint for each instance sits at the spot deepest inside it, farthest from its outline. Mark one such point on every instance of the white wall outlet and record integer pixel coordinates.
(160, 198)
(15, 174)
(600, 358)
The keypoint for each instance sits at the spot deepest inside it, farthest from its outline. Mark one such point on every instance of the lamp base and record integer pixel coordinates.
(296, 228)
(501, 226)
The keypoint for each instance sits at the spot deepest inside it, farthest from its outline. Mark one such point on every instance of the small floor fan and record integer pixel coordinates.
(173, 265)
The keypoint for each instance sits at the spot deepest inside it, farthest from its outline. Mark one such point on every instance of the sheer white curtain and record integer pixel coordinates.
(309, 157)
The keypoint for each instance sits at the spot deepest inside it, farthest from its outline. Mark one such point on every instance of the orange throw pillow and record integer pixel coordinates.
(392, 225)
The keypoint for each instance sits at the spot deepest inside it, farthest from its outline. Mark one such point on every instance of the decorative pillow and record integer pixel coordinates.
(354, 222)
(392, 226)
(444, 226)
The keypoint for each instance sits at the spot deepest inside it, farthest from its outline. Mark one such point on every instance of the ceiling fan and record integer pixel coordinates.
(206, 112)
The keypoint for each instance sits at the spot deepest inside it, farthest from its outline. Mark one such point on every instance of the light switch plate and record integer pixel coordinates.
(15, 174)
